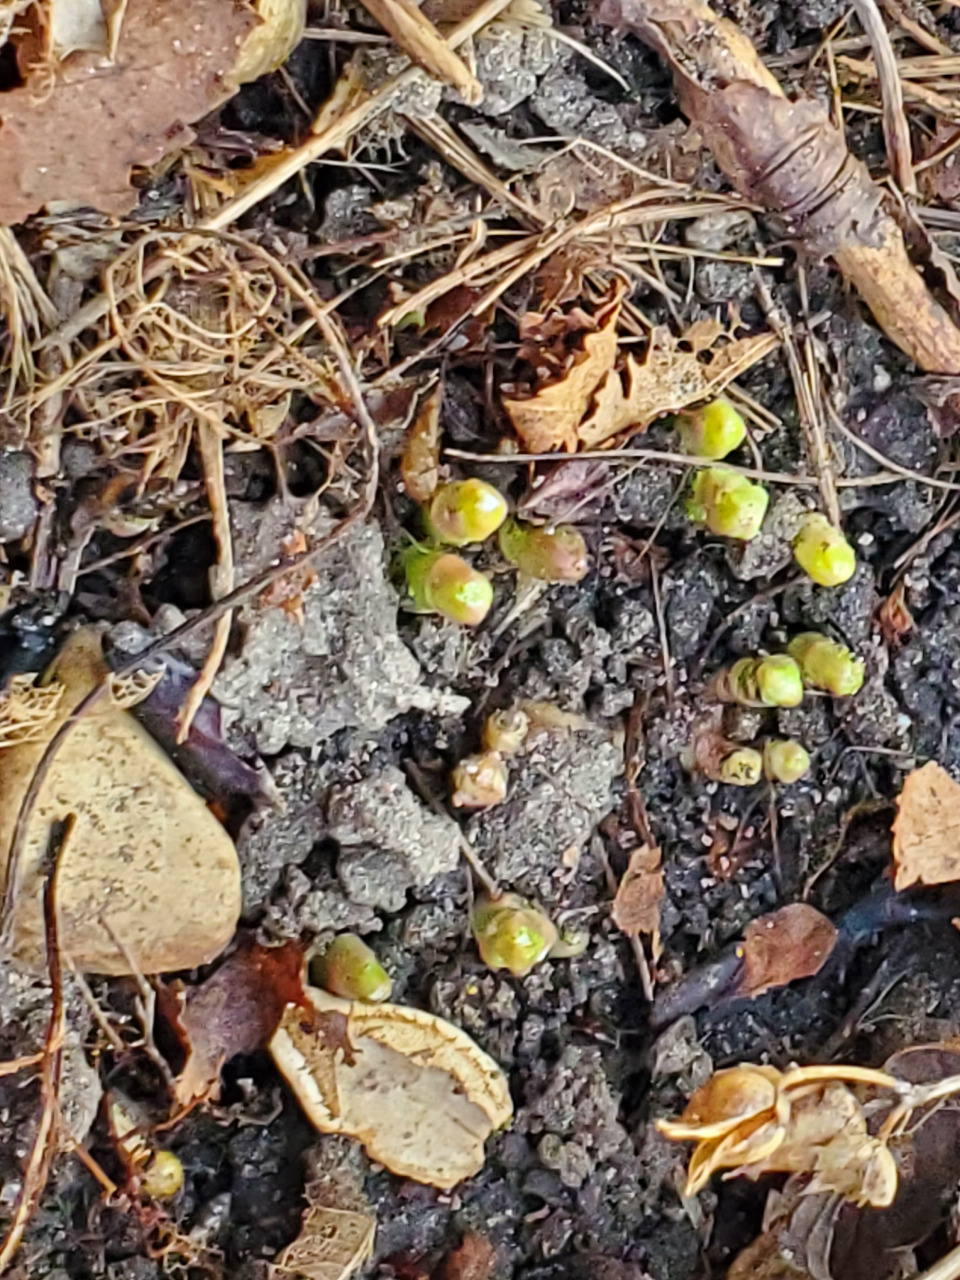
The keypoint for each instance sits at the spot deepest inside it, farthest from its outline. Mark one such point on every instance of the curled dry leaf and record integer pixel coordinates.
(73, 132)
(236, 1010)
(926, 830)
(416, 1091)
(636, 908)
(756, 1120)
(420, 464)
(783, 946)
(332, 1245)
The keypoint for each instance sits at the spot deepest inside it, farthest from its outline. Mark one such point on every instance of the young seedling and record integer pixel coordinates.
(162, 1177)
(826, 664)
(557, 554)
(505, 731)
(479, 782)
(774, 681)
(823, 553)
(465, 511)
(741, 768)
(573, 938)
(441, 582)
(348, 968)
(785, 760)
(512, 934)
(729, 504)
(712, 431)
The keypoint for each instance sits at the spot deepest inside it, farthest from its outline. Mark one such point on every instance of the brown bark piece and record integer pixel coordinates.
(783, 946)
(790, 157)
(77, 138)
(926, 830)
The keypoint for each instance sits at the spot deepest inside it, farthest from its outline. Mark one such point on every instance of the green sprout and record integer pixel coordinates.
(465, 511)
(505, 731)
(162, 1177)
(573, 938)
(741, 768)
(773, 681)
(823, 553)
(440, 582)
(713, 430)
(785, 760)
(557, 554)
(729, 504)
(348, 968)
(512, 934)
(826, 664)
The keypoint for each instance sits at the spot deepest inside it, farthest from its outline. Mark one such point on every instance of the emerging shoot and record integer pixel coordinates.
(826, 664)
(729, 504)
(163, 1176)
(443, 583)
(557, 554)
(479, 782)
(713, 430)
(511, 934)
(348, 968)
(505, 731)
(785, 760)
(466, 511)
(774, 681)
(741, 768)
(823, 552)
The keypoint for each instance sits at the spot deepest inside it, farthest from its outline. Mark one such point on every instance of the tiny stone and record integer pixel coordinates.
(18, 506)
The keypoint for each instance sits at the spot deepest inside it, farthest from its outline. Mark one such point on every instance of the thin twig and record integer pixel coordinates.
(896, 131)
(948, 1268)
(470, 855)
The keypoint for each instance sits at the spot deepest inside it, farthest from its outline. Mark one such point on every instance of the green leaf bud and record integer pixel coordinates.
(348, 968)
(572, 941)
(774, 681)
(512, 934)
(550, 554)
(823, 552)
(441, 582)
(729, 504)
(785, 760)
(466, 511)
(741, 768)
(713, 430)
(163, 1176)
(505, 731)
(826, 664)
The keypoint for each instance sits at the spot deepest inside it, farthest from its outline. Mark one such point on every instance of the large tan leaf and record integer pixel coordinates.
(926, 830)
(415, 1090)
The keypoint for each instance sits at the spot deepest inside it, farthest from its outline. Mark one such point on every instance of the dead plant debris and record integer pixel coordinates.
(926, 830)
(793, 942)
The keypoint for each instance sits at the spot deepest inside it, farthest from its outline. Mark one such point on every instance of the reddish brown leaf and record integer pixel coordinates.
(236, 1010)
(420, 464)
(636, 908)
(785, 945)
(896, 620)
(473, 1260)
(75, 136)
(926, 830)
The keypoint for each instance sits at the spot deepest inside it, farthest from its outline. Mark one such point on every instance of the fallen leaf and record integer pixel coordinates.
(896, 620)
(236, 1010)
(332, 1245)
(76, 133)
(783, 946)
(636, 908)
(550, 419)
(672, 374)
(420, 464)
(147, 866)
(926, 830)
(474, 1259)
(419, 1095)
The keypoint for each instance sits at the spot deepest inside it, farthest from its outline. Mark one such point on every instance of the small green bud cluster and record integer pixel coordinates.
(826, 664)
(712, 431)
(823, 553)
(773, 681)
(347, 967)
(549, 554)
(729, 504)
(785, 760)
(512, 934)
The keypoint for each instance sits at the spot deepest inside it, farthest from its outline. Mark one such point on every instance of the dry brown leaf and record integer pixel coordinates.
(236, 1010)
(778, 948)
(926, 830)
(75, 136)
(420, 464)
(636, 908)
(419, 1095)
(549, 419)
(672, 374)
(895, 618)
(474, 1259)
(332, 1245)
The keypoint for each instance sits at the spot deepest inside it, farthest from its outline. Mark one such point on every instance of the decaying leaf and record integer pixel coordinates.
(419, 1095)
(788, 155)
(783, 946)
(756, 1119)
(926, 830)
(149, 876)
(420, 464)
(473, 1259)
(75, 134)
(236, 1010)
(672, 374)
(26, 708)
(332, 1245)
(895, 618)
(636, 908)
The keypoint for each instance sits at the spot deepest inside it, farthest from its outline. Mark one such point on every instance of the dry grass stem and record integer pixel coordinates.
(895, 128)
